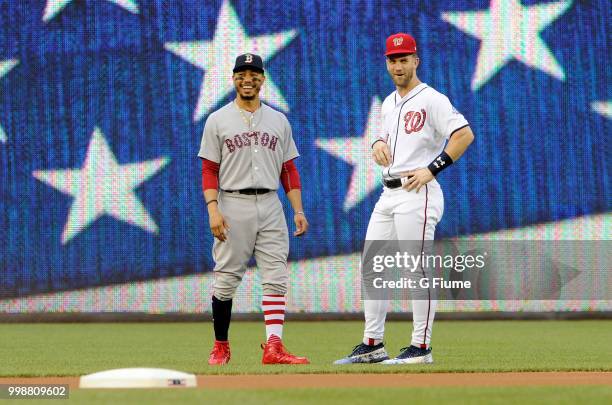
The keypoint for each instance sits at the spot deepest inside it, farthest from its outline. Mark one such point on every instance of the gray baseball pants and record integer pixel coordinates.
(257, 227)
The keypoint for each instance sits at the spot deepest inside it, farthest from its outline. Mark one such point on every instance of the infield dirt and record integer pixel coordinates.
(272, 381)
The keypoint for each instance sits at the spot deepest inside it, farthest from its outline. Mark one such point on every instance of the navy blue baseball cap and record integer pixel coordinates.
(248, 61)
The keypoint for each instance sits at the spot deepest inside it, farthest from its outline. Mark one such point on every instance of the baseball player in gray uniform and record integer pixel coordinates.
(247, 148)
(423, 135)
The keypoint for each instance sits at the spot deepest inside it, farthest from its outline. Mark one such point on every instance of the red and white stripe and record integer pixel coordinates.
(274, 314)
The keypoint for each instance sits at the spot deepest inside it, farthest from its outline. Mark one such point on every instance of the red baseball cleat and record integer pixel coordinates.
(275, 353)
(220, 354)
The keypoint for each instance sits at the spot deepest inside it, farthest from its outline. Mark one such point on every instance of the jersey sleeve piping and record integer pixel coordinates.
(458, 129)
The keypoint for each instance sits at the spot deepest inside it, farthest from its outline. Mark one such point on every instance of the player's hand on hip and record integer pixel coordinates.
(381, 153)
(415, 179)
(218, 225)
(301, 224)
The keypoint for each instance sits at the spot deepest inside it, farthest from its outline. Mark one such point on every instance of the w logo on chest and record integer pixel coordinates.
(414, 121)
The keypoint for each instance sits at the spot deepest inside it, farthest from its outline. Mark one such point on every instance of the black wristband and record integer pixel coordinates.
(440, 163)
(211, 201)
(374, 143)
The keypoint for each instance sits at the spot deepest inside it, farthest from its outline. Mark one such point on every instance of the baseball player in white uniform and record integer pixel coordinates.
(423, 135)
(247, 148)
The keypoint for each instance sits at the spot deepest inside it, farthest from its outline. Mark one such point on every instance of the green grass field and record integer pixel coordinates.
(458, 346)
(356, 396)
(76, 349)
(353, 396)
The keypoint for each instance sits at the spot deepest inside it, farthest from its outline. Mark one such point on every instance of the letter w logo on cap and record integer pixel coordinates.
(400, 43)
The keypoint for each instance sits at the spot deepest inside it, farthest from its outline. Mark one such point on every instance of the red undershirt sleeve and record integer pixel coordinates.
(210, 175)
(290, 178)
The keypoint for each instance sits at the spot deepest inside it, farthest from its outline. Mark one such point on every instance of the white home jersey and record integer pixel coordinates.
(416, 128)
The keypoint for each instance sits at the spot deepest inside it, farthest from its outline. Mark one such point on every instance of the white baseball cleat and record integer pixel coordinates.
(412, 355)
(363, 353)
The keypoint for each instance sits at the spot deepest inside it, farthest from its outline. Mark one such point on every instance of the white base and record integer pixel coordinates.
(427, 359)
(138, 378)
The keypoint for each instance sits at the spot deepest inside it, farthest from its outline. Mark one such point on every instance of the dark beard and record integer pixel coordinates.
(406, 79)
(248, 98)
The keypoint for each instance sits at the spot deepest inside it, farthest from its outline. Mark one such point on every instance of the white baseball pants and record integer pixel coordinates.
(404, 215)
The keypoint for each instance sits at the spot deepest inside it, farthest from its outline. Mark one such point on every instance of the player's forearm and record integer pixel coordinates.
(210, 195)
(459, 143)
(295, 198)
(210, 183)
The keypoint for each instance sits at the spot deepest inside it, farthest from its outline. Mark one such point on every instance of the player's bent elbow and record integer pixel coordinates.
(465, 136)
(469, 137)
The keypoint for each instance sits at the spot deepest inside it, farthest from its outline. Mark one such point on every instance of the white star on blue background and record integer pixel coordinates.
(603, 107)
(54, 7)
(103, 186)
(508, 30)
(357, 151)
(217, 61)
(5, 67)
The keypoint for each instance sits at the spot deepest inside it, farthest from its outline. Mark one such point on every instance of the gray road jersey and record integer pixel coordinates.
(248, 158)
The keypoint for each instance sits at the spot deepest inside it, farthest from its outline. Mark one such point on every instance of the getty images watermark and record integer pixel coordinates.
(421, 264)
(487, 270)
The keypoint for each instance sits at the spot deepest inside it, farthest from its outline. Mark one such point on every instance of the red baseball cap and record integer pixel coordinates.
(400, 43)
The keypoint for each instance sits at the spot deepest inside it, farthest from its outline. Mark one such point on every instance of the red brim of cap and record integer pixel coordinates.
(398, 51)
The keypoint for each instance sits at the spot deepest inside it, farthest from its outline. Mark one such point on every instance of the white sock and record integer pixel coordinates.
(274, 314)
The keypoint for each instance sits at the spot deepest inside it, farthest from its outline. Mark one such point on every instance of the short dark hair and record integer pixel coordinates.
(401, 55)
